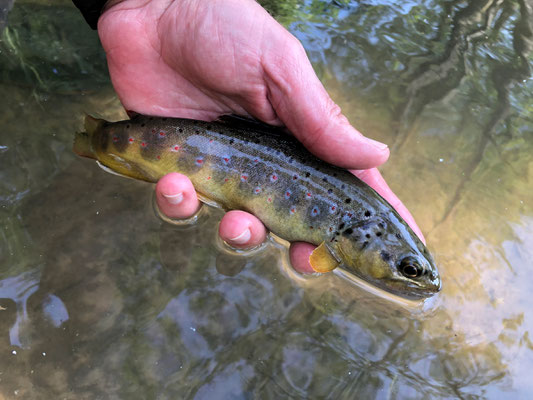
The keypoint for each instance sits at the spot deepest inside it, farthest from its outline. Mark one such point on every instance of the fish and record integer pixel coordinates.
(250, 166)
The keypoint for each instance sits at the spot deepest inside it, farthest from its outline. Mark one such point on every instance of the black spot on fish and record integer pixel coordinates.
(378, 234)
(128, 126)
(343, 186)
(143, 125)
(325, 179)
(335, 174)
(180, 130)
(290, 160)
(367, 235)
(337, 233)
(398, 236)
(341, 226)
(347, 232)
(381, 225)
(231, 141)
(364, 245)
(348, 200)
(367, 213)
(385, 256)
(330, 191)
(307, 174)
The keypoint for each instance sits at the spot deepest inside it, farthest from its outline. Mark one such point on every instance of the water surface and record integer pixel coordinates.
(101, 299)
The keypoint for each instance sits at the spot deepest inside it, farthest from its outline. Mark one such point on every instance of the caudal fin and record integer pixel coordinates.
(82, 140)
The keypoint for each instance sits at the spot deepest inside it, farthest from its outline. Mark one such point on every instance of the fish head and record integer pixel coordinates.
(386, 253)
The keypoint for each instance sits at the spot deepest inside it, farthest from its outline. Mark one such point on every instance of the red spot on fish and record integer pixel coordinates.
(257, 190)
(226, 160)
(294, 177)
(159, 157)
(226, 179)
(308, 194)
(175, 148)
(292, 210)
(199, 161)
(131, 140)
(287, 194)
(210, 140)
(269, 199)
(208, 178)
(161, 134)
(273, 178)
(115, 139)
(143, 144)
(350, 214)
(244, 177)
(333, 208)
(256, 161)
(153, 130)
(330, 229)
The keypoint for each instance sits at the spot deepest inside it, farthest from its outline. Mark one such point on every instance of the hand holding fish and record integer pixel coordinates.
(203, 58)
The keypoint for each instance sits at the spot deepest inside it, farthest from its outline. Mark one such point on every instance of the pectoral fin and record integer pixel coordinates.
(322, 260)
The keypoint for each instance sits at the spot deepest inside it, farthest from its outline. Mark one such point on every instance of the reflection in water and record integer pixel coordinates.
(18, 289)
(99, 298)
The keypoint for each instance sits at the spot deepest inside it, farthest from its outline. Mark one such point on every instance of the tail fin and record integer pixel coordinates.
(82, 140)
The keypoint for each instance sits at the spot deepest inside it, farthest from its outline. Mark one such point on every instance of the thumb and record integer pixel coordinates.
(304, 106)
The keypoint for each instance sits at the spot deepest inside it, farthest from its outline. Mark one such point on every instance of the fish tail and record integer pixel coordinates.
(82, 140)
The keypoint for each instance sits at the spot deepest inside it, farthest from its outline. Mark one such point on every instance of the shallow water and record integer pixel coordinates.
(101, 299)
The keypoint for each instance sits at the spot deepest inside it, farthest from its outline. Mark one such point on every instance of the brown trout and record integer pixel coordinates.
(253, 167)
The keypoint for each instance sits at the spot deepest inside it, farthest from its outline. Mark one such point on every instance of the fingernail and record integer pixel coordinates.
(242, 238)
(174, 198)
(375, 143)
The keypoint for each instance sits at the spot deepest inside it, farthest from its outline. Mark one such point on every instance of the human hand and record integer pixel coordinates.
(203, 58)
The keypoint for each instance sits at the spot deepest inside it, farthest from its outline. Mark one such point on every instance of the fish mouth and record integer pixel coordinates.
(421, 290)
(408, 290)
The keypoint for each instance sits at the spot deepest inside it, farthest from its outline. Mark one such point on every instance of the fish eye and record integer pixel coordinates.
(410, 268)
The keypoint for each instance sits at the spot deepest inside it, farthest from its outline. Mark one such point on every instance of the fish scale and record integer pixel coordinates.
(263, 170)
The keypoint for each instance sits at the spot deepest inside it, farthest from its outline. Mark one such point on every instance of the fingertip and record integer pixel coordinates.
(241, 229)
(176, 197)
(299, 254)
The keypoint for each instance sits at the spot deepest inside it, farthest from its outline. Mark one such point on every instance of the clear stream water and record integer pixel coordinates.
(100, 299)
